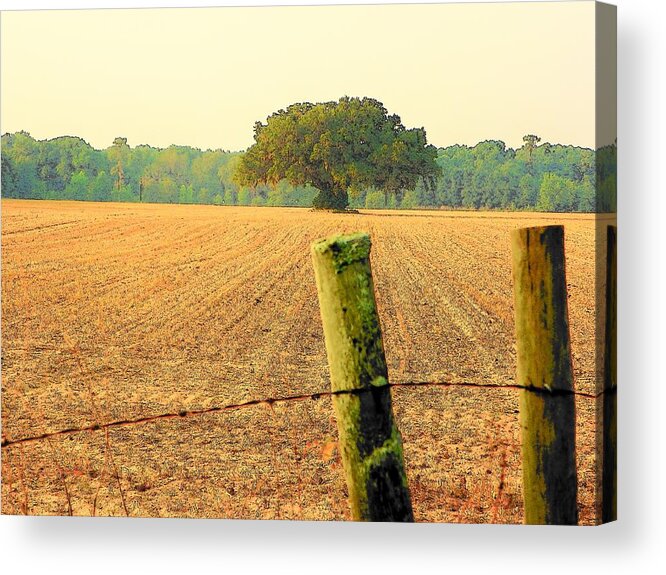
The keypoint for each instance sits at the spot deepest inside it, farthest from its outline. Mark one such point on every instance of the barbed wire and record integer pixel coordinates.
(270, 401)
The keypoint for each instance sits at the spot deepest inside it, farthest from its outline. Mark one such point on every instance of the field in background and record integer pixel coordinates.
(119, 311)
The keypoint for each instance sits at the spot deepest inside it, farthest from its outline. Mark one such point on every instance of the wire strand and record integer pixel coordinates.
(6, 442)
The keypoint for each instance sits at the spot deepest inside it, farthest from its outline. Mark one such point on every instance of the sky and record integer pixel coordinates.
(203, 76)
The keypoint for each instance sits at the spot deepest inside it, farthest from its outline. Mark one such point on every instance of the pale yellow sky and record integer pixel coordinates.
(202, 77)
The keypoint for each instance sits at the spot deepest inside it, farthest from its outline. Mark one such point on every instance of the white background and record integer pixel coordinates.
(634, 543)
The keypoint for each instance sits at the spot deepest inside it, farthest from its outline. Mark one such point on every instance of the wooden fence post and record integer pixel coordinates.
(609, 457)
(370, 442)
(547, 407)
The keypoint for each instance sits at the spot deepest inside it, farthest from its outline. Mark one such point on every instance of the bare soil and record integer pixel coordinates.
(118, 311)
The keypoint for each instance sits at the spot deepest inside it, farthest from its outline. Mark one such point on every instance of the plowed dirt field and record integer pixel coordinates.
(114, 312)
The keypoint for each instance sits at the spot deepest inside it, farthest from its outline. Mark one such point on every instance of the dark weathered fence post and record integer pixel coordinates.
(547, 408)
(370, 442)
(609, 465)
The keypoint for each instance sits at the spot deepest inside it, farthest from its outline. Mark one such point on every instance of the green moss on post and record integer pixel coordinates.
(547, 412)
(370, 442)
(609, 457)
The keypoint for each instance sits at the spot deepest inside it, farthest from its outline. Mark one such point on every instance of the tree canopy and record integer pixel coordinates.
(489, 175)
(339, 148)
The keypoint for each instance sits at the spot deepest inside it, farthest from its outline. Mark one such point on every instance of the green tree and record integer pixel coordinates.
(78, 186)
(185, 194)
(8, 177)
(337, 147)
(556, 194)
(137, 171)
(119, 155)
(28, 183)
(374, 199)
(244, 197)
(531, 142)
(204, 171)
(410, 200)
(606, 178)
(585, 196)
(528, 191)
(101, 188)
(229, 197)
(203, 196)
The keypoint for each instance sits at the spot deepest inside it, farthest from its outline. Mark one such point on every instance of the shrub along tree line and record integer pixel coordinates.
(337, 154)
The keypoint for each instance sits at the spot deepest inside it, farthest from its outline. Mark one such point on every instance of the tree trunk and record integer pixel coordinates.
(331, 199)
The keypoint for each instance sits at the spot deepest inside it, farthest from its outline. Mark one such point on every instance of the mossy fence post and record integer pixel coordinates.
(609, 457)
(547, 407)
(370, 443)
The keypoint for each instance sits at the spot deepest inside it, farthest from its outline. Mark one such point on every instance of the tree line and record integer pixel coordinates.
(490, 175)
(542, 177)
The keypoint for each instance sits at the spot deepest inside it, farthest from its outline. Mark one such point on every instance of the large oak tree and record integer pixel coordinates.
(339, 147)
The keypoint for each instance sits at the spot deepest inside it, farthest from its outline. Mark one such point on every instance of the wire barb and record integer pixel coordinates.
(270, 401)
